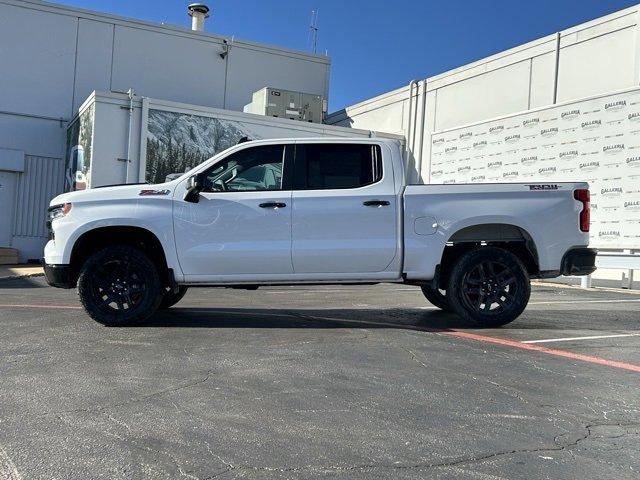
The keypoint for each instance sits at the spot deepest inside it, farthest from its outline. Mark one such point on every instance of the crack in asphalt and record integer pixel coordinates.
(415, 358)
(509, 391)
(99, 408)
(133, 443)
(428, 465)
(103, 407)
(589, 431)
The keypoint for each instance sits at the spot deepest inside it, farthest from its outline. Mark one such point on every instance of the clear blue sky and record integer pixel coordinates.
(378, 45)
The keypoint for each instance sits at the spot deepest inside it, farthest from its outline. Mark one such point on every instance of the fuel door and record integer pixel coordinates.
(425, 225)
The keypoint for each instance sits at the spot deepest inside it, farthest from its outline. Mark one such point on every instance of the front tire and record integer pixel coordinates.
(489, 287)
(119, 286)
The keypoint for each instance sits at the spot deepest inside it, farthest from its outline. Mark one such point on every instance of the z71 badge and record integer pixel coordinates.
(145, 193)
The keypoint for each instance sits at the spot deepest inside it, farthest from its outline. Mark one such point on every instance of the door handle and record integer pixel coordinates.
(376, 203)
(273, 205)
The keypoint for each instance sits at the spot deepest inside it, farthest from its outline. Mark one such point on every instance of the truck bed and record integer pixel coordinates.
(540, 213)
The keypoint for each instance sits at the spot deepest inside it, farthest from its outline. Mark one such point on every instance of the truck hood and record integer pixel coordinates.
(116, 192)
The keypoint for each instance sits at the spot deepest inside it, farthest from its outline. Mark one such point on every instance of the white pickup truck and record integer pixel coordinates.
(301, 211)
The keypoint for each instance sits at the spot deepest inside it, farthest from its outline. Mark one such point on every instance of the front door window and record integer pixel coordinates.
(252, 169)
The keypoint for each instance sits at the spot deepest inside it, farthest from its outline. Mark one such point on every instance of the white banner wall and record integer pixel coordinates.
(595, 140)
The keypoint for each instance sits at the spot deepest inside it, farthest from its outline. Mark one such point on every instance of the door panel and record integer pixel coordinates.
(349, 228)
(230, 234)
(333, 232)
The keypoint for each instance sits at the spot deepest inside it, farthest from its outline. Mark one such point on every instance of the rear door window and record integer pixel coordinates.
(326, 166)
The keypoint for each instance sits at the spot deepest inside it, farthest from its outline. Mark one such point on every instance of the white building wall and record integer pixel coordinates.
(594, 60)
(542, 83)
(491, 94)
(176, 68)
(43, 136)
(94, 59)
(38, 61)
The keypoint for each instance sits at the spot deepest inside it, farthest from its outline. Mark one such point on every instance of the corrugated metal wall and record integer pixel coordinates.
(37, 185)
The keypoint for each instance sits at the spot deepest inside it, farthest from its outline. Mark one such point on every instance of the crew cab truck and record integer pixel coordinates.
(315, 211)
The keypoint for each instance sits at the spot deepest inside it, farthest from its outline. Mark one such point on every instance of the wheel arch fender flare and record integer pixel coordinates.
(121, 232)
(492, 228)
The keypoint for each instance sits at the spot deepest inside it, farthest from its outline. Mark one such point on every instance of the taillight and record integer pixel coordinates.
(582, 195)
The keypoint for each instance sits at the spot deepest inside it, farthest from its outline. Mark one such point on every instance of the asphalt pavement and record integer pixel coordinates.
(314, 382)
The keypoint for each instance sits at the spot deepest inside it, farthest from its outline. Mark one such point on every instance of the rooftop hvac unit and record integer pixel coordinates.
(274, 102)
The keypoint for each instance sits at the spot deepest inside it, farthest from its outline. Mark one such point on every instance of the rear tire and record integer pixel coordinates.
(436, 297)
(488, 287)
(169, 299)
(119, 286)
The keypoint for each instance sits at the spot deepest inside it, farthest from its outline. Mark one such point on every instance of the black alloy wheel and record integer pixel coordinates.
(489, 287)
(119, 286)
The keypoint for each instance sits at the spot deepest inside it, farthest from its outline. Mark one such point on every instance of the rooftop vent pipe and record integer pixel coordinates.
(198, 12)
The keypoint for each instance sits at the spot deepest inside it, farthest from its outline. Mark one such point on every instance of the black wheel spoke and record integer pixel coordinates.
(507, 281)
(482, 301)
(120, 303)
(128, 271)
(127, 298)
(108, 300)
(490, 269)
(473, 290)
(503, 272)
(483, 276)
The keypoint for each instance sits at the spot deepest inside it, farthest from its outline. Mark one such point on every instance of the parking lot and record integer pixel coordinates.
(319, 382)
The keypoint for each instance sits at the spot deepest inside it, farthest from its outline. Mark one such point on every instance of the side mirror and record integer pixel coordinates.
(195, 184)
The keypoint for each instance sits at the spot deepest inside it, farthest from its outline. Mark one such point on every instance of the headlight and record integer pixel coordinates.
(58, 211)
